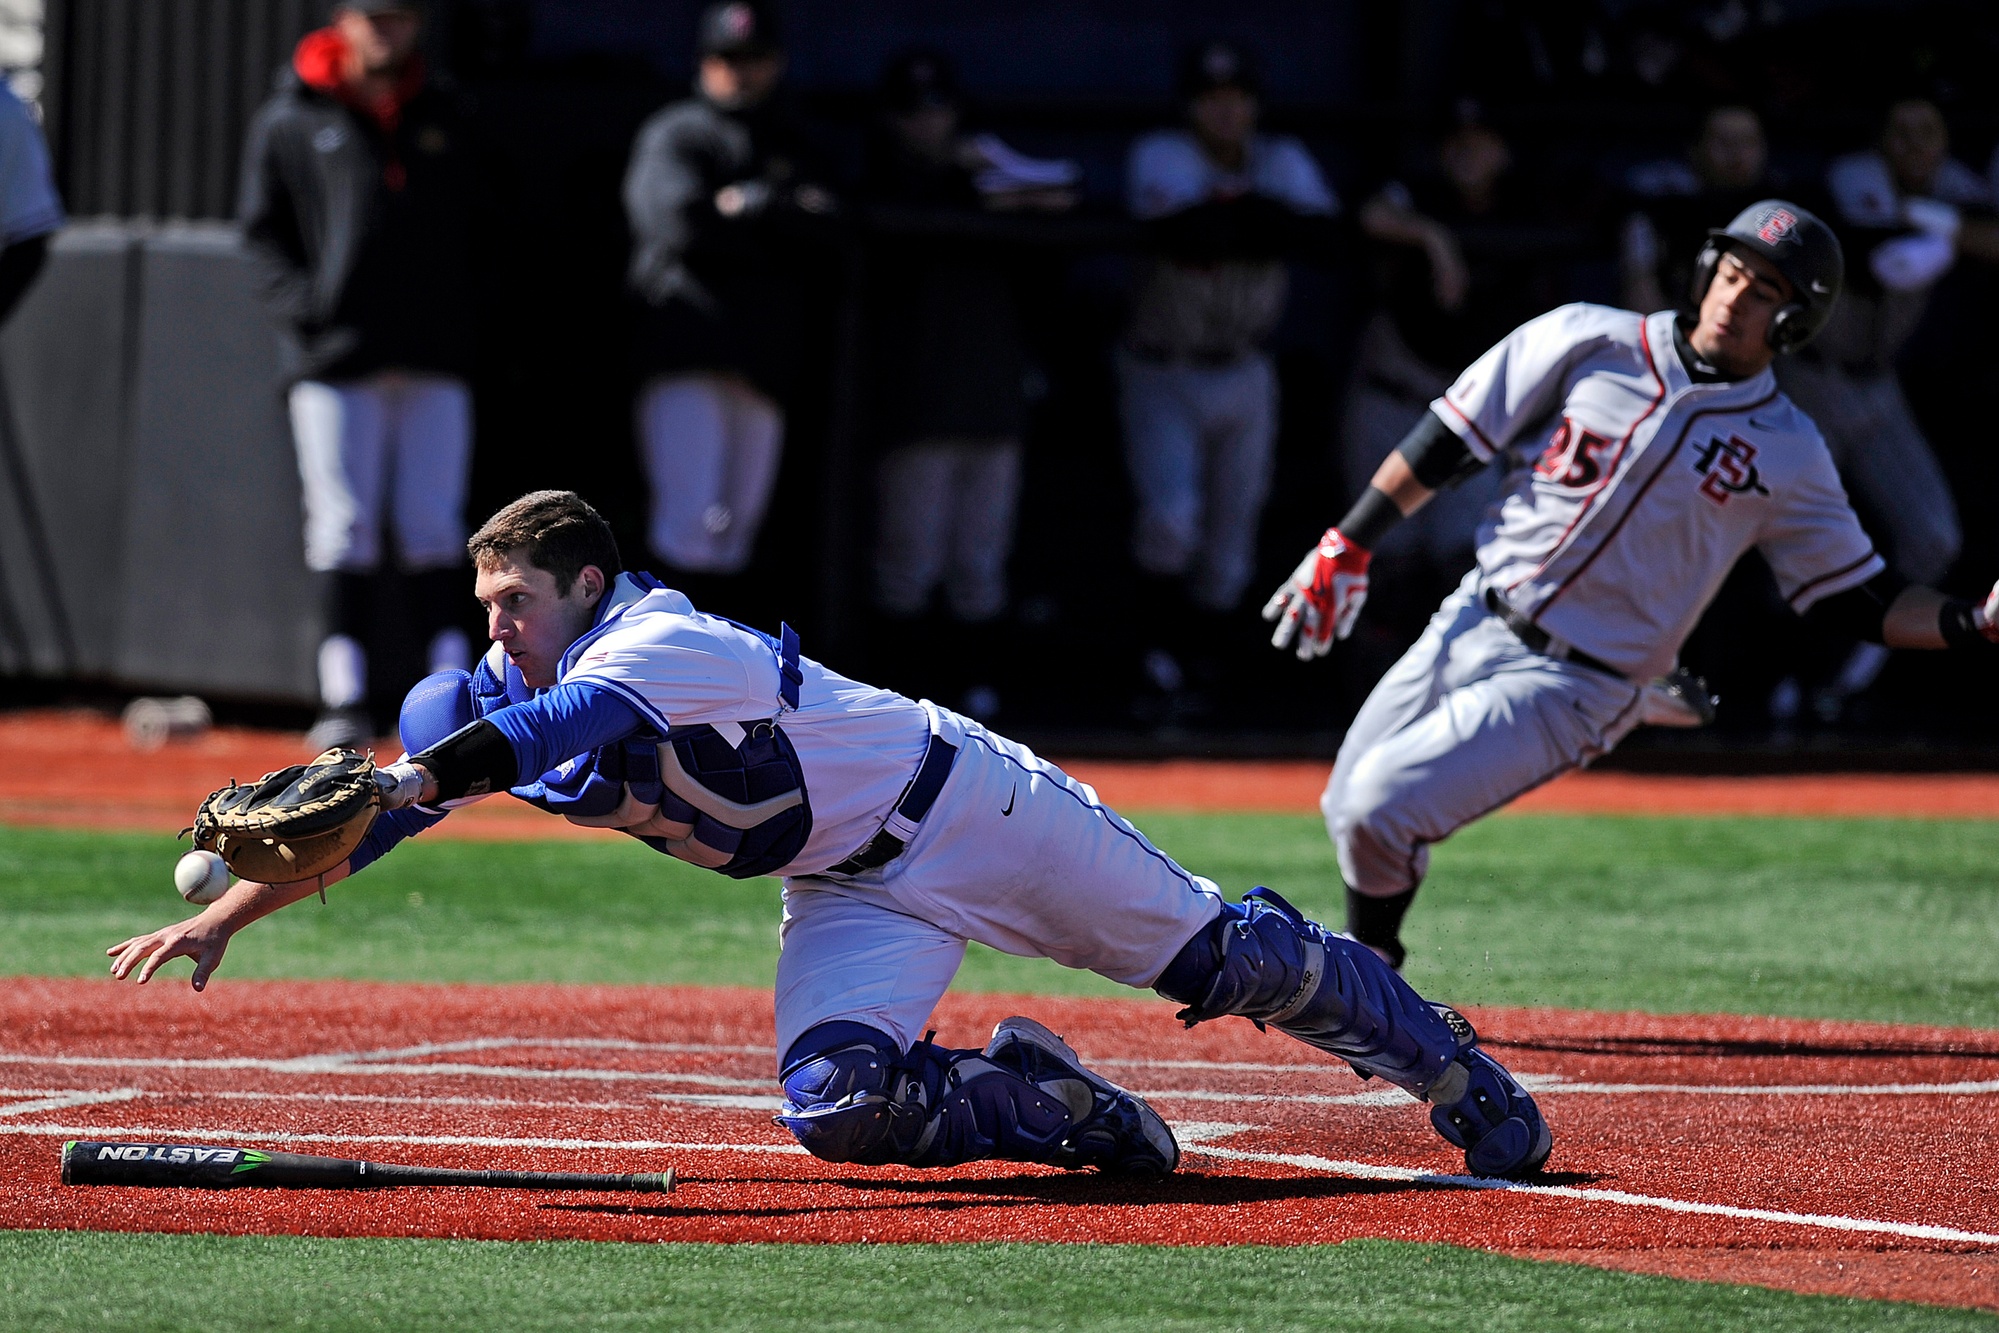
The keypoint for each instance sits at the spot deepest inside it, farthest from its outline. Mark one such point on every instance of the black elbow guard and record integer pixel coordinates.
(1858, 613)
(1436, 455)
(474, 760)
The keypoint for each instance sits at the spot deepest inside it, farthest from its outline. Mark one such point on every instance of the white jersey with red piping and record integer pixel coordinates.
(1635, 487)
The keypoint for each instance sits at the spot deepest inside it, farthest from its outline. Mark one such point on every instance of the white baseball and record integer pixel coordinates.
(201, 877)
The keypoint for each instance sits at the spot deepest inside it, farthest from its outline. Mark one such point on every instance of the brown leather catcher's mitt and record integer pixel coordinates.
(298, 823)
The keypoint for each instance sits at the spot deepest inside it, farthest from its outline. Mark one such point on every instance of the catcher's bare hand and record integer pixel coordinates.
(1321, 599)
(198, 937)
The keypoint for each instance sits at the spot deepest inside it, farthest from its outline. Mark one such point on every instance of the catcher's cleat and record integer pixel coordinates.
(1110, 1129)
(1483, 1109)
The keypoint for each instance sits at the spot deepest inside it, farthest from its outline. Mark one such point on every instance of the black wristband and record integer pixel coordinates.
(1959, 631)
(1370, 519)
(474, 760)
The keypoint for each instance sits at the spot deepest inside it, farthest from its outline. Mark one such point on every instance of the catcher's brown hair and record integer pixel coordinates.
(558, 530)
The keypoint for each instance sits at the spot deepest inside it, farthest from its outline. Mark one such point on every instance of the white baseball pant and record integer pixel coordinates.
(394, 448)
(1015, 854)
(1469, 719)
(711, 446)
(1198, 441)
(947, 513)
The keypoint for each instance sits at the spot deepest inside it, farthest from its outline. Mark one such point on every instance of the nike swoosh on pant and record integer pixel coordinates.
(1009, 802)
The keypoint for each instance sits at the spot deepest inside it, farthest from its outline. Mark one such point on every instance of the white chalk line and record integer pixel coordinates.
(376, 1098)
(181, 1133)
(63, 1100)
(372, 1064)
(1374, 1171)
(314, 1066)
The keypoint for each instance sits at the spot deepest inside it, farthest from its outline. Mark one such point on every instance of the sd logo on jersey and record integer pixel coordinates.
(1728, 467)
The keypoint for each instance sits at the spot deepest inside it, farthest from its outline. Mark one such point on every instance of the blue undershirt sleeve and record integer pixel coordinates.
(563, 722)
(390, 828)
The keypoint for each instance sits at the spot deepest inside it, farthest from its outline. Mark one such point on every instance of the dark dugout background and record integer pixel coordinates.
(146, 103)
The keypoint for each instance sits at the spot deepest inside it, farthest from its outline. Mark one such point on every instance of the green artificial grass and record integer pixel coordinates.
(1891, 920)
(91, 1281)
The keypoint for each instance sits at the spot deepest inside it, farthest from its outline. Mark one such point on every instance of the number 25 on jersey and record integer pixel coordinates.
(1574, 456)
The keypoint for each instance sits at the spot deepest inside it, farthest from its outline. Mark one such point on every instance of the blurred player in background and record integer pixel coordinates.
(1907, 211)
(951, 375)
(1459, 274)
(718, 193)
(1674, 204)
(1647, 453)
(30, 212)
(1198, 392)
(355, 205)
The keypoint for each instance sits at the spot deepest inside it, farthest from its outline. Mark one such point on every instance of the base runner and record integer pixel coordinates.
(902, 830)
(1650, 453)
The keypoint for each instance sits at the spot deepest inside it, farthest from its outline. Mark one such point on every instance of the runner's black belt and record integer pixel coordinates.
(1541, 641)
(916, 801)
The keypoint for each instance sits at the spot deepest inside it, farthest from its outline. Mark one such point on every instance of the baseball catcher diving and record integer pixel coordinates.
(901, 830)
(1646, 454)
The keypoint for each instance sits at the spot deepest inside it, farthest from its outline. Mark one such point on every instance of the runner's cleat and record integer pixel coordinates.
(1110, 1129)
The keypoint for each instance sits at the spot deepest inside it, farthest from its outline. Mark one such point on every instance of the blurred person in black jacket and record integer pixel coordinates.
(355, 208)
(951, 370)
(1674, 203)
(722, 204)
(1461, 261)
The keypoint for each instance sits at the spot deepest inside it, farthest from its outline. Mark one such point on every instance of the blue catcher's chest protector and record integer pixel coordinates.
(728, 797)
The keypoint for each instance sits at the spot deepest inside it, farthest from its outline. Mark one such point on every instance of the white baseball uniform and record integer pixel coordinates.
(1633, 490)
(1009, 850)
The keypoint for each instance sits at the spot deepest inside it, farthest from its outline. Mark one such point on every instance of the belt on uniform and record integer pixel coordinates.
(1541, 641)
(909, 811)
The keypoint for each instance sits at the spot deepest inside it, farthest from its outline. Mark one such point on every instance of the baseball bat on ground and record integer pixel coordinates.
(210, 1166)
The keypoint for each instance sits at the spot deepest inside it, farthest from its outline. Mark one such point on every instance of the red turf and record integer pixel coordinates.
(1897, 1159)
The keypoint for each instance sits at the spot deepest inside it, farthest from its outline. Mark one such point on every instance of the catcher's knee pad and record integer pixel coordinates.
(436, 706)
(851, 1096)
(1266, 962)
(847, 1098)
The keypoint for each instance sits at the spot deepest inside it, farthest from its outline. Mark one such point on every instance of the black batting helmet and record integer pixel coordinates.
(1804, 250)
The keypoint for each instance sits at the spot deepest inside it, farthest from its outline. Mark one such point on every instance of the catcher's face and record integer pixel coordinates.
(527, 617)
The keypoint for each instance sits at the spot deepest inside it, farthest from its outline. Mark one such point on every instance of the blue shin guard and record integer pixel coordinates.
(851, 1096)
(1266, 962)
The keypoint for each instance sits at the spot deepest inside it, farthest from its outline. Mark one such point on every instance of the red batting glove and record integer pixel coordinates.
(1321, 599)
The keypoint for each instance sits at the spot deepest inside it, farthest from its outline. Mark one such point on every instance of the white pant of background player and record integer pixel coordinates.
(1015, 854)
(711, 446)
(947, 516)
(1469, 719)
(1199, 440)
(388, 455)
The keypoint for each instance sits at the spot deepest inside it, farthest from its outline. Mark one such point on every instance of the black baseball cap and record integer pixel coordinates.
(918, 79)
(736, 28)
(1216, 64)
